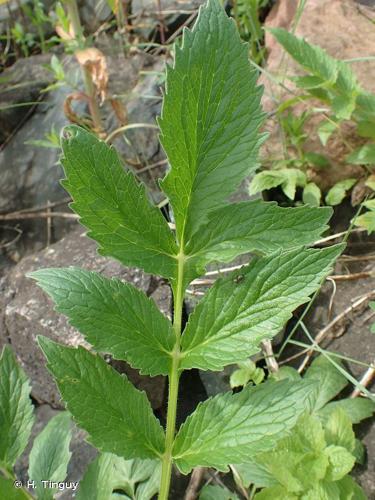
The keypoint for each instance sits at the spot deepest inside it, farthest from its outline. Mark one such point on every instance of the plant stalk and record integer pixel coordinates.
(174, 376)
(75, 21)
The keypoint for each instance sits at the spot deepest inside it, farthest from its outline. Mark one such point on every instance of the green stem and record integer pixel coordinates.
(6, 472)
(252, 492)
(178, 294)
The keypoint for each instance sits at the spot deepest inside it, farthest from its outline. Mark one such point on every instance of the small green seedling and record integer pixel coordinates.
(335, 85)
(50, 455)
(315, 460)
(209, 128)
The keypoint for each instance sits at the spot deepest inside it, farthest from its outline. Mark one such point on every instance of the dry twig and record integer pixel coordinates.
(365, 380)
(269, 356)
(324, 332)
(194, 483)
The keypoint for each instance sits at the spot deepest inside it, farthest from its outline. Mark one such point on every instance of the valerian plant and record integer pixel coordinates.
(209, 128)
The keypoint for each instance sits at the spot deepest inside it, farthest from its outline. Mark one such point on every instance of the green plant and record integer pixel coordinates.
(57, 69)
(51, 140)
(37, 16)
(49, 456)
(246, 372)
(210, 131)
(332, 82)
(117, 7)
(25, 40)
(33, 13)
(314, 461)
(247, 15)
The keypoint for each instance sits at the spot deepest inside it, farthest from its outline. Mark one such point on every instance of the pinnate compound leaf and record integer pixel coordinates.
(117, 416)
(16, 409)
(231, 428)
(251, 305)
(114, 206)
(210, 119)
(330, 79)
(115, 317)
(311, 57)
(327, 72)
(139, 479)
(256, 226)
(50, 455)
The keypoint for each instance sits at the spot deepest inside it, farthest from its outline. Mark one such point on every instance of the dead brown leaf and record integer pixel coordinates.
(94, 61)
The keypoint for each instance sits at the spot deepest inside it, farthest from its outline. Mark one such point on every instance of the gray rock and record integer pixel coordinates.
(93, 13)
(216, 382)
(22, 84)
(30, 174)
(27, 312)
(146, 16)
(140, 147)
(368, 3)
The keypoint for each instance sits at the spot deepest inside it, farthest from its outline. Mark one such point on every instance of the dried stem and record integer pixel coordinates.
(90, 90)
(194, 483)
(324, 332)
(365, 380)
(269, 356)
